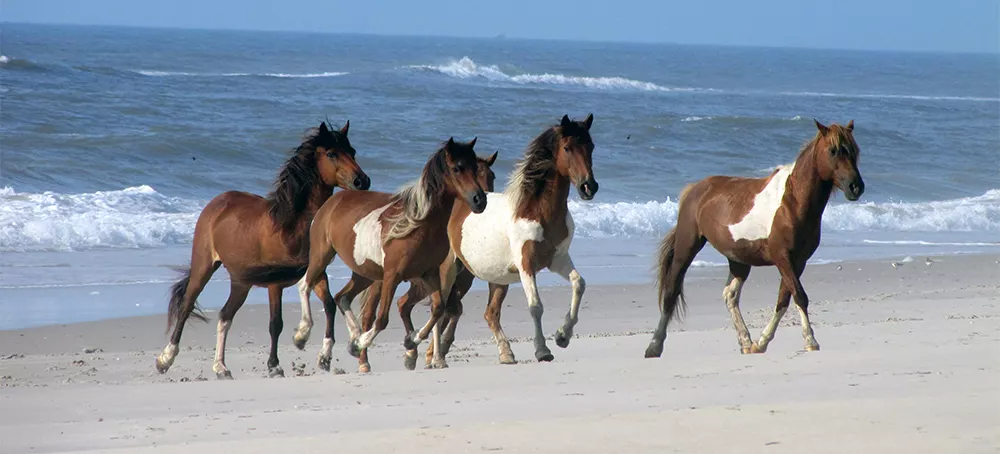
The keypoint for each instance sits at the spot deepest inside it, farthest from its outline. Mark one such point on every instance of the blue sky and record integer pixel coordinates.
(921, 25)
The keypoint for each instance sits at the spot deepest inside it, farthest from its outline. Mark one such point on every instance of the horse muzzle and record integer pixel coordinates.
(588, 189)
(361, 182)
(853, 189)
(477, 201)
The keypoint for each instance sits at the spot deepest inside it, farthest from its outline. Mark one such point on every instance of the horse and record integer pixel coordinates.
(418, 291)
(389, 238)
(771, 221)
(239, 230)
(526, 229)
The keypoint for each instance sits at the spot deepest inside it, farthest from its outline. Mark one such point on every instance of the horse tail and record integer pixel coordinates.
(671, 294)
(264, 275)
(177, 293)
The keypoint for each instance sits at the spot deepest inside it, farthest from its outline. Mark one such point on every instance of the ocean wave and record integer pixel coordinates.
(466, 68)
(140, 217)
(650, 219)
(279, 75)
(135, 217)
(889, 96)
(18, 63)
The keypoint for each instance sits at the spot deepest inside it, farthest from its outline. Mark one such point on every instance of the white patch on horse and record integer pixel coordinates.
(756, 225)
(368, 238)
(488, 243)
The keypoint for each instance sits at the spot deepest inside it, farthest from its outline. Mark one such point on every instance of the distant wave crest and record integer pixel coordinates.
(141, 217)
(466, 68)
(279, 75)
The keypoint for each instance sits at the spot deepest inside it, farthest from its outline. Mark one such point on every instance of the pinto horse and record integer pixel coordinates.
(240, 230)
(772, 221)
(389, 238)
(526, 229)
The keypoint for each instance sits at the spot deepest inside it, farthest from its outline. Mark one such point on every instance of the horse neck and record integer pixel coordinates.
(811, 193)
(317, 196)
(551, 204)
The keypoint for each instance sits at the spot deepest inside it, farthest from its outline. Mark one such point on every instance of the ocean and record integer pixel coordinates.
(112, 139)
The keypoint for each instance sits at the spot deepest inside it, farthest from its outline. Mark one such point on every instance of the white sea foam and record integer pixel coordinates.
(695, 119)
(4, 59)
(280, 75)
(466, 68)
(140, 217)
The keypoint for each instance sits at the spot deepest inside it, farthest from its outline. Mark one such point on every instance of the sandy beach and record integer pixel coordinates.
(909, 363)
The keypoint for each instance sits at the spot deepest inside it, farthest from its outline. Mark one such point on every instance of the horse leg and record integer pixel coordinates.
(542, 352)
(802, 304)
(454, 308)
(192, 284)
(237, 296)
(439, 282)
(784, 297)
(389, 284)
(304, 329)
(274, 327)
(345, 296)
(497, 294)
(563, 266)
(405, 305)
(677, 252)
(738, 274)
(369, 300)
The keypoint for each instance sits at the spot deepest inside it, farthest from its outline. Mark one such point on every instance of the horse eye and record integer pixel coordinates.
(330, 153)
(456, 169)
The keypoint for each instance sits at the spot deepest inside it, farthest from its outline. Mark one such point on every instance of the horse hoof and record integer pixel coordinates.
(544, 356)
(654, 351)
(162, 366)
(507, 359)
(410, 361)
(300, 341)
(756, 348)
(408, 343)
(812, 348)
(561, 339)
(364, 368)
(224, 375)
(274, 372)
(323, 363)
(352, 348)
(439, 364)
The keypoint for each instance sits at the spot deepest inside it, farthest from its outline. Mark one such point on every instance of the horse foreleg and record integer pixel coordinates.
(439, 282)
(237, 296)
(767, 335)
(493, 307)
(542, 352)
(369, 302)
(389, 284)
(405, 305)
(563, 266)
(274, 328)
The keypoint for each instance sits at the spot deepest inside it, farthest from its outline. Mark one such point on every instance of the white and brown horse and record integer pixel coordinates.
(389, 238)
(240, 230)
(527, 229)
(772, 221)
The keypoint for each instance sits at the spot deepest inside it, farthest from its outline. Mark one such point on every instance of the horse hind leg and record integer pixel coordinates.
(677, 251)
(738, 274)
(275, 326)
(237, 296)
(492, 315)
(183, 303)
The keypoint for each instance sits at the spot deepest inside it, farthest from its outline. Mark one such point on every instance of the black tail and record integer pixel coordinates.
(273, 274)
(177, 293)
(669, 304)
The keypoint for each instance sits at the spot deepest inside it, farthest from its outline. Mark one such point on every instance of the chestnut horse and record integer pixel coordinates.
(240, 230)
(389, 238)
(526, 229)
(772, 221)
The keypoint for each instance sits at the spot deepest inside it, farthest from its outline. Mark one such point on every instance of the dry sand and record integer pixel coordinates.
(910, 362)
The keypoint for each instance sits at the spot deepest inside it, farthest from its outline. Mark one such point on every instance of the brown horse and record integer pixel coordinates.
(389, 238)
(772, 221)
(528, 228)
(241, 230)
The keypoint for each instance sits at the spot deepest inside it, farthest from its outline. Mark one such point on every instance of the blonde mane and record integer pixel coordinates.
(416, 199)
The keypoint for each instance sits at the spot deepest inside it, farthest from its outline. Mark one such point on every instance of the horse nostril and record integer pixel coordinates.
(362, 182)
(477, 199)
(854, 187)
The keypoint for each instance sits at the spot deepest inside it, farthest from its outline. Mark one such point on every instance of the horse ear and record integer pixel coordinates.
(451, 143)
(565, 121)
(473, 142)
(346, 127)
(322, 128)
(492, 158)
(850, 126)
(822, 129)
(589, 121)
